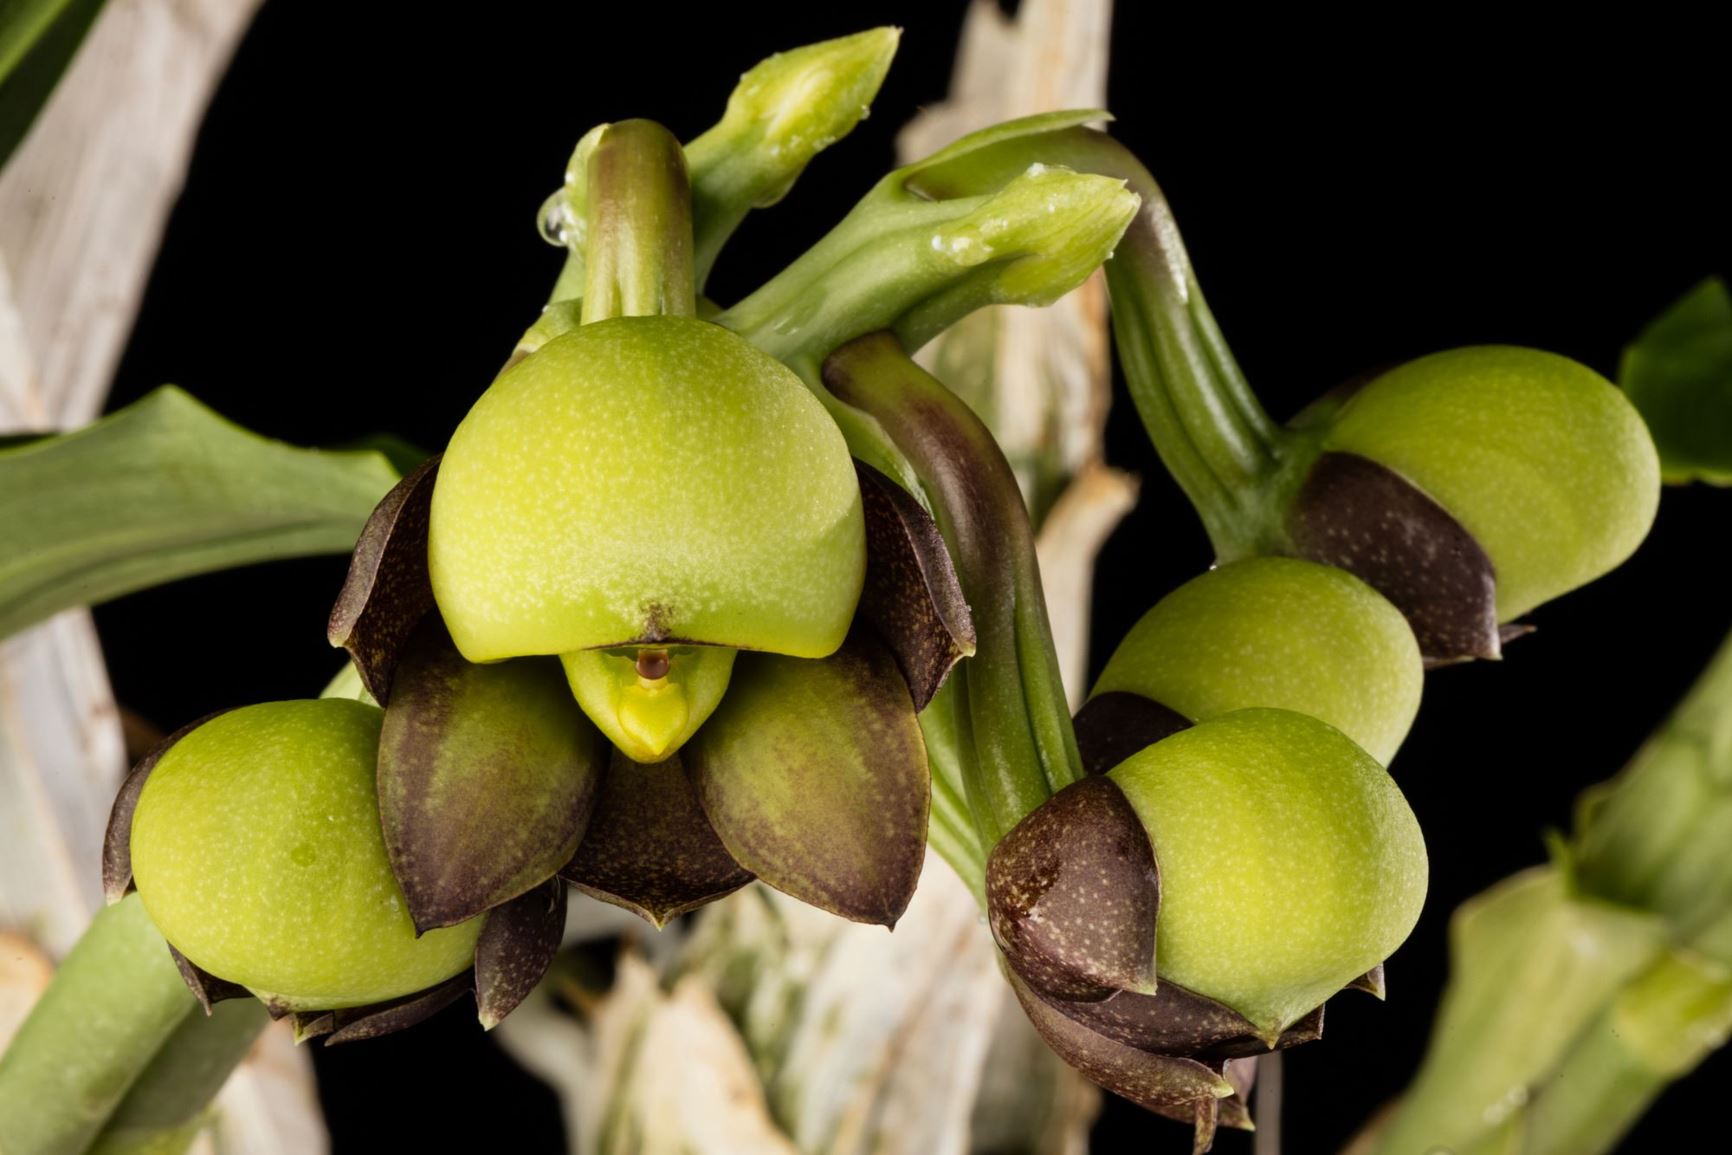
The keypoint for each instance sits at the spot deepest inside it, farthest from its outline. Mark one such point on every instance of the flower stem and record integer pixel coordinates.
(112, 1004)
(1013, 743)
(1208, 427)
(638, 225)
(1580, 991)
(169, 1102)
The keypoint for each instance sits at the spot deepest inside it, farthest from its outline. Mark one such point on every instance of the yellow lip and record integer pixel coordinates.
(649, 717)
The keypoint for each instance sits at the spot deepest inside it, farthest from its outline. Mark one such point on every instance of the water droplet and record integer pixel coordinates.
(554, 221)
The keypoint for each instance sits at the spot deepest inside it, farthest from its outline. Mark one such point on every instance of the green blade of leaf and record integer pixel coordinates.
(165, 489)
(1678, 374)
(38, 39)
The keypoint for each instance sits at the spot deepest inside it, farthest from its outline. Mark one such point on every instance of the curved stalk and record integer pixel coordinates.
(113, 1003)
(170, 1101)
(1208, 427)
(1013, 742)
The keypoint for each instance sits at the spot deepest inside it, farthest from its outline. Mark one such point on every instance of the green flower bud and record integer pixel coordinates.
(638, 482)
(790, 107)
(257, 851)
(1543, 461)
(1289, 862)
(1281, 633)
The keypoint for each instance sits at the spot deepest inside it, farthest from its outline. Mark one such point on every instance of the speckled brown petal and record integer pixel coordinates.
(487, 777)
(387, 592)
(206, 987)
(1369, 520)
(1176, 1021)
(649, 847)
(1307, 1030)
(1172, 1021)
(308, 1025)
(117, 840)
(1072, 893)
(912, 597)
(1371, 982)
(1112, 726)
(1157, 1082)
(517, 944)
(1235, 1112)
(814, 774)
(1510, 631)
(353, 1024)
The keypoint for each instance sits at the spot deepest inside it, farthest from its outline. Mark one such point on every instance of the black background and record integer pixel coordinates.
(355, 252)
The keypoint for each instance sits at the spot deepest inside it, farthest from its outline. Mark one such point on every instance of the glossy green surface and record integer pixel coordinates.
(1283, 633)
(649, 719)
(1290, 862)
(256, 848)
(1544, 461)
(646, 479)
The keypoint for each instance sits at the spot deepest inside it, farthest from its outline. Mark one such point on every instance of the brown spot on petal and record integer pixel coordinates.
(387, 592)
(649, 847)
(1161, 1083)
(1370, 521)
(1072, 893)
(813, 773)
(117, 840)
(206, 987)
(1112, 726)
(517, 944)
(353, 1024)
(912, 597)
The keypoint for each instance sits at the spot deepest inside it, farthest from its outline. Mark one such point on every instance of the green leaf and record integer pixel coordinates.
(1678, 374)
(37, 41)
(164, 489)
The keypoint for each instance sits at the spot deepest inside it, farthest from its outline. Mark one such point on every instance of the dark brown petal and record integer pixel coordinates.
(814, 774)
(517, 944)
(1307, 1030)
(206, 987)
(1163, 1083)
(386, 593)
(353, 1024)
(649, 847)
(487, 777)
(1371, 982)
(1235, 1112)
(912, 597)
(117, 840)
(1369, 520)
(1112, 726)
(1072, 893)
(308, 1025)
(1176, 1021)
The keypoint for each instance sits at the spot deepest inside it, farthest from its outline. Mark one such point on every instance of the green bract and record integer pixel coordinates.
(1282, 633)
(1542, 460)
(1290, 863)
(257, 851)
(643, 480)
